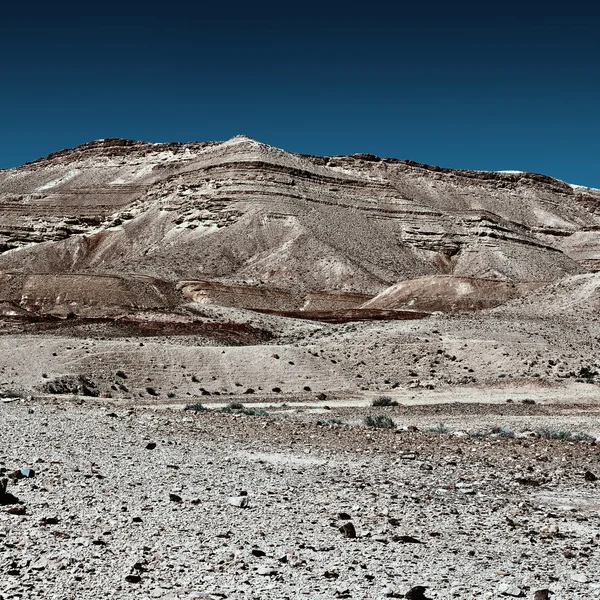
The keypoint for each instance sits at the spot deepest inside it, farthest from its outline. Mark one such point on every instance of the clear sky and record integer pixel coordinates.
(474, 85)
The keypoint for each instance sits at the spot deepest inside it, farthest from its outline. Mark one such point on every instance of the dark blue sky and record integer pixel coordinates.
(480, 85)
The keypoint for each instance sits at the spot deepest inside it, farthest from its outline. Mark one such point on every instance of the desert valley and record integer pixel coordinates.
(232, 371)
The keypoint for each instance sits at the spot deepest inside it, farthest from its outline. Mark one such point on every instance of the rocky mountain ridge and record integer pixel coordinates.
(242, 214)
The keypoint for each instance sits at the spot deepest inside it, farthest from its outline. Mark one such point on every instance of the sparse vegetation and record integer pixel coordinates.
(587, 374)
(553, 434)
(441, 428)
(379, 422)
(563, 434)
(384, 401)
(579, 436)
(197, 407)
(237, 408)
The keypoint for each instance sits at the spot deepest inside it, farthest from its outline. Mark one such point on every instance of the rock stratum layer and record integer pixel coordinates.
(244, 213)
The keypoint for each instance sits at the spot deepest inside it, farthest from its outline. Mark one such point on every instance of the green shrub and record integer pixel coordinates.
(380, 422)
(384, 401)
(553, 434)
(582, 437)
(560, 434)
(441, 428)
(197, 407)
(506, 432)
(237, 408)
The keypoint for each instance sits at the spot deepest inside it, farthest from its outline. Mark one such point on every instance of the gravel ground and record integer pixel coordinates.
(106, 515)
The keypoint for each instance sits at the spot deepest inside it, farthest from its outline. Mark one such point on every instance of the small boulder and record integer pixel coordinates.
(239, 501)
(17, 510)
(509, 589)
(417, 593)
(348, 530)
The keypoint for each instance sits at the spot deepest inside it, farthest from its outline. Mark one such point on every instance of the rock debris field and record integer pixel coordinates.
(110, 500)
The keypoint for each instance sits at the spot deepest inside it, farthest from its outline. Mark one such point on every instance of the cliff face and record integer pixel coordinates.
(240, 213)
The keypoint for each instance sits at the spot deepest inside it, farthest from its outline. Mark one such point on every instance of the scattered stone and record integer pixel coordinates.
(133, 579)
(406, 539)
(22, 474)
(541, 595)
(17, 510)
(321, 396)
(175, 498)
(239, 501)
(394, 522)
(589, 476)
(530, 481)
(150, 446)
(75, 385)
(579, 577)
(417, 593)
(348, 530)
(49, 521)
(344, 516)
(508, 589)
(6, 497)
(267, 571)
(258, 553)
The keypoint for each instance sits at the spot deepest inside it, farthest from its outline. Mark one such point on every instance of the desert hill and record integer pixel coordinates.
(242, 213)
(225, 268)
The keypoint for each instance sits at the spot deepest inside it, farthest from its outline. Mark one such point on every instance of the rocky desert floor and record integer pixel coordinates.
(470, 498)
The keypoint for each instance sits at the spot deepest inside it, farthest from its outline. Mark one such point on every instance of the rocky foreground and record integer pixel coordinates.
(125, 502)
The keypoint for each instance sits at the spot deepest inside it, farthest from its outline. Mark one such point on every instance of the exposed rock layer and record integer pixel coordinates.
(241, 212)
